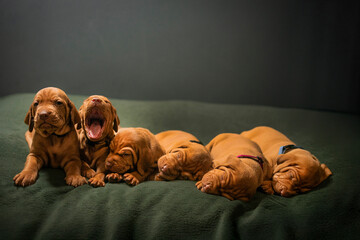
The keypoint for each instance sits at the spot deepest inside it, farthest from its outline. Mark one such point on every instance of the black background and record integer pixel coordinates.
(282, 53)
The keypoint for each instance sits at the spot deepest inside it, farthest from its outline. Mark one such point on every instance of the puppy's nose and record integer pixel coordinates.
(96, 100)
(44, 114)
(205, 187)
(164, 168)
(109, 163)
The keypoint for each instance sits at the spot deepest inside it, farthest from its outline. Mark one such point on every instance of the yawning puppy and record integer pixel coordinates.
(99, 123)
(186, 157)
(239, 167)
(134, 153)
(295, 170)
(52, 138)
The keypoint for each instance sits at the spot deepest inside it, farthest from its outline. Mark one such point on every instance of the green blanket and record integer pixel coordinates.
(50, 209)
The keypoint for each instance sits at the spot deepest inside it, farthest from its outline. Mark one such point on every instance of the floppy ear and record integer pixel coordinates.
(29, 119)
(325, 172)
(148, 156)
(281, 159)
(74, 115)
(116, 119)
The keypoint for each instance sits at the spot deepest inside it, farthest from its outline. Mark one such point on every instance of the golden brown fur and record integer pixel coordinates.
(233, 177)
(186, 157)
(295, 171)
(99, 123)
(52, 138)
(133, 156)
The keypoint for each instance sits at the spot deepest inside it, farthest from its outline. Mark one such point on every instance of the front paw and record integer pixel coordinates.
(113, 177)
(95, 182)
(75, 180)
(266, 186)
(88, 173)
(131, 179)
(25, 178)
(158, 177)
(199, 185)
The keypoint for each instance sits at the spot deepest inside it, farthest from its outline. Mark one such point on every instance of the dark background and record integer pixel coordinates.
(301, 54)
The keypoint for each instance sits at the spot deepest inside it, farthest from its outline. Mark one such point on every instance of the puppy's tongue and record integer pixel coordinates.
(95, 130)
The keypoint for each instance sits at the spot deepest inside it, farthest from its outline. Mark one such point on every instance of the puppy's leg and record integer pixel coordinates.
(98, 179)
(266, 186)
(29, 138)
(72, 170)
(86, 170)
(29, 174)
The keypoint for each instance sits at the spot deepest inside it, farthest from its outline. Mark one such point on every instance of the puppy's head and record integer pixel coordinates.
(189, 161)
(133, 149)
(211, 181)
(298, 171)
(232, 179)
(52, 112)
(98, 118)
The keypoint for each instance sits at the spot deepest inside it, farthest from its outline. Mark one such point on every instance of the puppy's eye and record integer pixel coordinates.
(106, 101)
(58, 102)
(36, 103)
(178, 156)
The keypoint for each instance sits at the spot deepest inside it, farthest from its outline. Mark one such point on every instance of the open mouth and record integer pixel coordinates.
(94, 124)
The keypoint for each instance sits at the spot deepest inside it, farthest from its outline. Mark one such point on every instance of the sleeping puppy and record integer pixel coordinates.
(134, 153)
(52, 138)
(239, 168)
(295, 170)
(186, 157)
(99, 121)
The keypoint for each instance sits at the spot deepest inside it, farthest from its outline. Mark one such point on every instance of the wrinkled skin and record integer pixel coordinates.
(133, 156)
(234, 177)
(186, 158)
(296, 171)
(99, 122)
(52, 138)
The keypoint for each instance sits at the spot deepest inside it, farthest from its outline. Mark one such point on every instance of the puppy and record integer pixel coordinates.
(239, 168)
(295, 170)
(99, 123)
(52, 138)
(186, 157)
(134, 153)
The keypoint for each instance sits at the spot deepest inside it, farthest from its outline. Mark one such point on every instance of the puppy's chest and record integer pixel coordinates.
(91, 153)
(60, 149)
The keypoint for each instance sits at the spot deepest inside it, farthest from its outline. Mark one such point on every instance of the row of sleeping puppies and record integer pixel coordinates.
(88, 144)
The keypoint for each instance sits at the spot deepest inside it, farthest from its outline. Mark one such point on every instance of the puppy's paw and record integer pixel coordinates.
(113, 177)
(75, 180)
(25, 178)
(199, 185)
(88, 173)
(266, 186)
(158, 177)
(131, 179)
(95, 182)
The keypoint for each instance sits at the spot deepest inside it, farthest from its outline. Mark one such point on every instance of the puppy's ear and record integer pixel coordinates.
(116, 119)
(74, 115)
(148, 156)
(29, 118)
(281, 159)
(325, 172)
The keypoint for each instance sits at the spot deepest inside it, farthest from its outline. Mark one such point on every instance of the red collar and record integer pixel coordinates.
(255, 158)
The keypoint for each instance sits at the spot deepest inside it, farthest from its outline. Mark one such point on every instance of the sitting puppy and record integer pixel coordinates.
(295, 170)
(52, 138)
(239, 168)
(99, 121)
(134, 153)
(186, 157)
